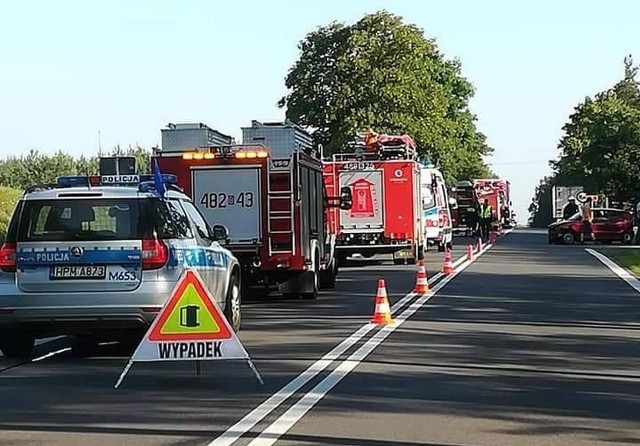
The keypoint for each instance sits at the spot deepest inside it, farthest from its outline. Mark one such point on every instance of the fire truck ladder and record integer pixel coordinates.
(280, 214)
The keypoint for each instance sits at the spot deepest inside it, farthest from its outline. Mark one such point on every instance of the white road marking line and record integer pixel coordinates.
(616, 269)
(48, 355)
(274, 401)
(287, 420)
(243, 426)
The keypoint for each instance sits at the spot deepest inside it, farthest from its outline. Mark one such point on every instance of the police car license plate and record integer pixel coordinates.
(78, 272)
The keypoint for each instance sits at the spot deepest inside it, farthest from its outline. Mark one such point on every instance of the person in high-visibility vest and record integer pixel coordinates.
(486, 211)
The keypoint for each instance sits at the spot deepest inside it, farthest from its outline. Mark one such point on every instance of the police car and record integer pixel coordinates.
(97, 257)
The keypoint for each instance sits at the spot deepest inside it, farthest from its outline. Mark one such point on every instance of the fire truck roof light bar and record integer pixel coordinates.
(258, 151)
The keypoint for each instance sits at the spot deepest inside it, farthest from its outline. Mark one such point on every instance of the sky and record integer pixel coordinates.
(79, 74)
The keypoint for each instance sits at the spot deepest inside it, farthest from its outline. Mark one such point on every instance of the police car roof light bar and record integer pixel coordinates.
(112, 180)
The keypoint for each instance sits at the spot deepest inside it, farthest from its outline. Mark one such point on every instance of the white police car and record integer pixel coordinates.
(98, 261)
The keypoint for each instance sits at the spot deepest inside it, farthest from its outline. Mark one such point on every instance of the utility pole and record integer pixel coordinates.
(99, 145)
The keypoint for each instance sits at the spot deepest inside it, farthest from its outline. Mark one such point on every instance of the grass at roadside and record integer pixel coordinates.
(628, 258)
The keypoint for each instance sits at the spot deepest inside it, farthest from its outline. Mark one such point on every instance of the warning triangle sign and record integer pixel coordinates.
(190, 326)
(189, 314)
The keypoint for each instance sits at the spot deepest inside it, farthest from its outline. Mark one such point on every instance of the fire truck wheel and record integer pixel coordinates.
(232, 305)
(328, 276)
(315, 281)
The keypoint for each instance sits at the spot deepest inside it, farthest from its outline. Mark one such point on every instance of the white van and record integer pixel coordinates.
(436, 215)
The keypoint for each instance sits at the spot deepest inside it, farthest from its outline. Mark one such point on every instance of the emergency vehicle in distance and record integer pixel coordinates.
(436, 213)
(497, 192)
(383, 175)
(465, 209)
(269, 193)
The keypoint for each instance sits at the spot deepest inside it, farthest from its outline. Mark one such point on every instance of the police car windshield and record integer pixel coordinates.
(95, 220)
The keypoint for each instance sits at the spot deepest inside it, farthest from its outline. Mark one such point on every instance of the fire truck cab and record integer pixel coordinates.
(467, 218)
(269, 195)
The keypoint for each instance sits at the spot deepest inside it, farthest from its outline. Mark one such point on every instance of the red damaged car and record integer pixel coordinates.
(609, 225)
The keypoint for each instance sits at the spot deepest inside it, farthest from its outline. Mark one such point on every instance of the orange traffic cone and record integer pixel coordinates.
(469, 252)
(480, 244)
(422, 281)
(493, 237)
(448, 264)
(382, 312)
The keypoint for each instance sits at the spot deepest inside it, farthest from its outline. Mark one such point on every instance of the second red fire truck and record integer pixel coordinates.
(383, 175)
(268, 193)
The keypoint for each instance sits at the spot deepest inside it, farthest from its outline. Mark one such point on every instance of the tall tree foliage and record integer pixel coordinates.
(38, 168)
(540, 210)
(383, 73)
(600, 148)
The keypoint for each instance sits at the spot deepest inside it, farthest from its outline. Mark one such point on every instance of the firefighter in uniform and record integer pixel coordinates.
(486, 212)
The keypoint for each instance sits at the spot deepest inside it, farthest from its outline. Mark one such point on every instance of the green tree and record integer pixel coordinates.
(600, 148)
(541, 213)
(21, 172)
(8, 199)
(36, 168)
(383, 73)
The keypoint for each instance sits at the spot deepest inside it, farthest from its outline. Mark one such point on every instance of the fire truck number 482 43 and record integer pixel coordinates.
(214, 200)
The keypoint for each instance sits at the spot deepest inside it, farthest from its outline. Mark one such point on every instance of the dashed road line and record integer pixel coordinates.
(243, 426)
(287, 420)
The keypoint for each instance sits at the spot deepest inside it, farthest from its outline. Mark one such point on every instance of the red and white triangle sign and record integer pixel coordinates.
(190, 327)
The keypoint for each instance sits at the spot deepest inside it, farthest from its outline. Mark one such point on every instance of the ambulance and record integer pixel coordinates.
(437, 223)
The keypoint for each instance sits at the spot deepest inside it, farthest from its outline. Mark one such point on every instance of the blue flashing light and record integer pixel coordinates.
(73, 181)
(151, 182)
(166, 178)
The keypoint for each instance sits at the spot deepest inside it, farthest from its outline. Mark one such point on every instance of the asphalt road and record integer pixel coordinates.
(530, 344)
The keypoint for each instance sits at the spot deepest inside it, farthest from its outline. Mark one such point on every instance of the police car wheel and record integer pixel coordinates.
(83, 346)
(233, 303)
(128, 343)
(16, 345)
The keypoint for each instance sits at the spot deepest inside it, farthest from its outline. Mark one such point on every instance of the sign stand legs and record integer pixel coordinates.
(122, 375)
(198, 369)
(255, 372)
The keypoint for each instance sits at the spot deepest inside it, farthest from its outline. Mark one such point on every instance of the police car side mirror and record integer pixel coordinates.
(346, 198)
(220, 232)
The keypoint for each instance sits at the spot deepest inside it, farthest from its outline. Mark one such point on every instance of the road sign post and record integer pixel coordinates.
(190, 327)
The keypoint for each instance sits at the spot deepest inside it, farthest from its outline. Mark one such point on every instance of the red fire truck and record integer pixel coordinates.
(497, 191)
(269, 195)
(383, 175)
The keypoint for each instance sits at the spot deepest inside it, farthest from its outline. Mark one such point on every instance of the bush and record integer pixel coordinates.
(8, 199)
